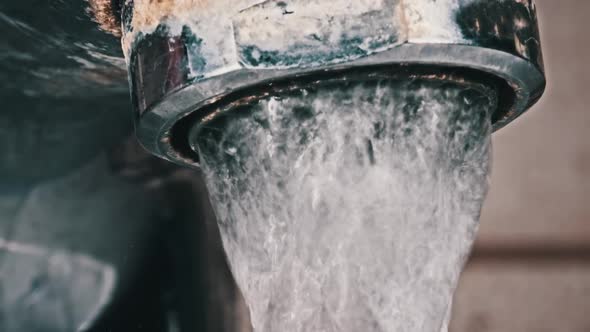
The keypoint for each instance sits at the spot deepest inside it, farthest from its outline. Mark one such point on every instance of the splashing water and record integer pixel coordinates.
(351, 207)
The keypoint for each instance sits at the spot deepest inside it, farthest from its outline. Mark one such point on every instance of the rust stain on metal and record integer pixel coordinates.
(145, 13)
(104, 14)
(151, 12)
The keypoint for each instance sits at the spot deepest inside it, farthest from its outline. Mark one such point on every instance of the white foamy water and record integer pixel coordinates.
(351, 209)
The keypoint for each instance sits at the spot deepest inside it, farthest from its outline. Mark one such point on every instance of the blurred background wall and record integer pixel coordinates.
(531, 267)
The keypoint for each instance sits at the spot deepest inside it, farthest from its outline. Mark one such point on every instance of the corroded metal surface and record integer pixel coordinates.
(197, 54)
(107, 13)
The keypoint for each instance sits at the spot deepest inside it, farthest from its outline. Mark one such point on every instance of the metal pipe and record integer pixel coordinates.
(188, 58)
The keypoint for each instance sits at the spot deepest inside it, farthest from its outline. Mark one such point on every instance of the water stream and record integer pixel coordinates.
(351, 207)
